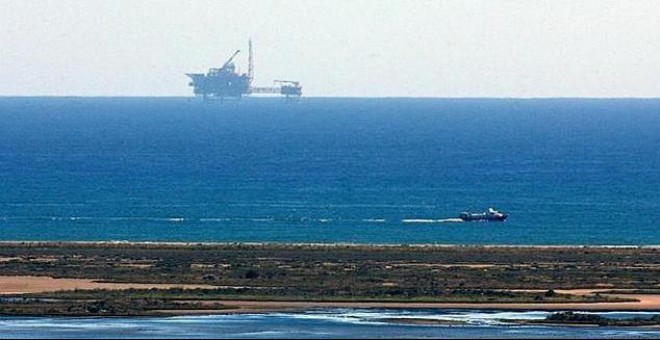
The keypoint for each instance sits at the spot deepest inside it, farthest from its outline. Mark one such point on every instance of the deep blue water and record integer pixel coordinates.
(333, 323)
(569, 171)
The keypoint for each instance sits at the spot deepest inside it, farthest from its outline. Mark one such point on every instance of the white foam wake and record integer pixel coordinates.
(374, 220)
(424, 220)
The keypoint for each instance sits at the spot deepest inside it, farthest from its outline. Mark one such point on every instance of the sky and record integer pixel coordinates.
(336, 48)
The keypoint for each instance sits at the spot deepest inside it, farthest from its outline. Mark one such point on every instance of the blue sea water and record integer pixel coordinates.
(569, 171)
(333, 323)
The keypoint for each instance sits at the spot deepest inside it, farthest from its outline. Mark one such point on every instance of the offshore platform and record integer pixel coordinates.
(226, 82)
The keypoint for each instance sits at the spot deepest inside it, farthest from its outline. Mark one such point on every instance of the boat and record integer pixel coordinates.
(490, 215)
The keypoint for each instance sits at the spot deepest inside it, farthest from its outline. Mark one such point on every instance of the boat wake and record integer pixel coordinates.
(442, 220)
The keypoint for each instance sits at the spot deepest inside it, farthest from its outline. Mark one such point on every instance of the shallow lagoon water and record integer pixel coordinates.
(330, 323)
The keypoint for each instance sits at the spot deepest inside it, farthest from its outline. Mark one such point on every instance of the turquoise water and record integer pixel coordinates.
(333, 323)
(569, 171)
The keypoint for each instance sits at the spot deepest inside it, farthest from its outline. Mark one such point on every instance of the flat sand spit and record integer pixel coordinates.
(646, 303)
(41, 284)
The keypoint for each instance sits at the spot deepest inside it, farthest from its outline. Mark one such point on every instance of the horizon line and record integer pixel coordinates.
(322, 97)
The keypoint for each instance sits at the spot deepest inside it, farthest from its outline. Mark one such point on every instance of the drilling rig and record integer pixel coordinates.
(226, 82)
(290, 88)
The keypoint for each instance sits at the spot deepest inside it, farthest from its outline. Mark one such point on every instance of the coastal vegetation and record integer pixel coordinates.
(129, 302)
(411, 270)
(99, 303)
(572, 318)
(307, 272)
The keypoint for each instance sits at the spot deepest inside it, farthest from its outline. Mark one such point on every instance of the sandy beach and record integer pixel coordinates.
(646, 303)
(10, 285)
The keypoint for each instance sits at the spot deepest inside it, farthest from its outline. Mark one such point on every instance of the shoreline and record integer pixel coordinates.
(325, 244)
(240, 307)
(248, 306)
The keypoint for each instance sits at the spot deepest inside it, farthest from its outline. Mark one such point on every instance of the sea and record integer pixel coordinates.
(328, 170)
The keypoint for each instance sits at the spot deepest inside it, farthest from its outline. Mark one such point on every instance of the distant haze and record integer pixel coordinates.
(335, 48)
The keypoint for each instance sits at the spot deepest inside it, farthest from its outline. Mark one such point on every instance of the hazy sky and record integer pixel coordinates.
(456, 48)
